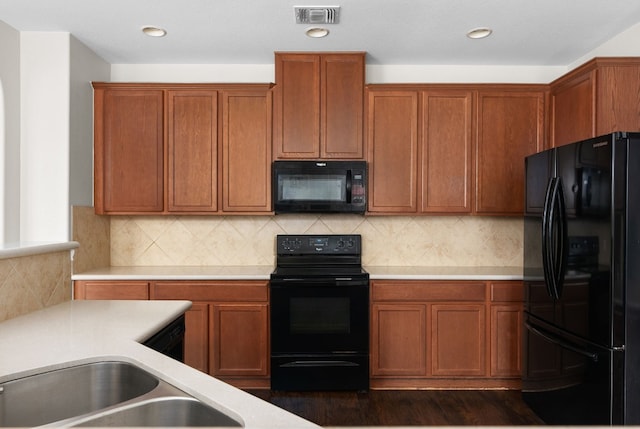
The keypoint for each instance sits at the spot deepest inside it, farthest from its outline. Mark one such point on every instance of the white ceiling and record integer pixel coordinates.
(531, 32)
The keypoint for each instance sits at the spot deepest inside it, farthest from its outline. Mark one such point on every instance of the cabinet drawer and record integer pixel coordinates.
(117, 290)
(226, 291)
(506, 292)
(427, 291)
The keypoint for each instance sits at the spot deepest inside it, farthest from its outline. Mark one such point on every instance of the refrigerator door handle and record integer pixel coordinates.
(547, 261)
(562, 343)
(555, 239)
(562, 240)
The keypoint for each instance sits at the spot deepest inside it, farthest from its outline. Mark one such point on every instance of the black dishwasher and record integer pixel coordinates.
(169, 340)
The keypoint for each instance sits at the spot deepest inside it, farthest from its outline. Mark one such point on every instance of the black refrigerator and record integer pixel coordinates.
(581, 342)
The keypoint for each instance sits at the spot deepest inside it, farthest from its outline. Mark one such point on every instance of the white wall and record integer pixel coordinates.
(256, 73)
(10, 138)
(625, 44)
(56, 165)
(44, 151)
(86, 66)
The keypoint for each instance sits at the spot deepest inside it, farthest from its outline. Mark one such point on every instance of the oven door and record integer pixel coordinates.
(319, 316)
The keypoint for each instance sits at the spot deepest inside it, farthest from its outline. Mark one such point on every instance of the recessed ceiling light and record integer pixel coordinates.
(316, 32)
(152, 31)
(479, 33)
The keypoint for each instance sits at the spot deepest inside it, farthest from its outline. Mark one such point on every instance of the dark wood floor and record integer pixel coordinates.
(406, 407)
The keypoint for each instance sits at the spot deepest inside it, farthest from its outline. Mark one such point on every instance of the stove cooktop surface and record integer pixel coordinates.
(326, 271)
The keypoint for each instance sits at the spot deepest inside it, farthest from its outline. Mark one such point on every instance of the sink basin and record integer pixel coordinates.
(68, 392)
(163, 412)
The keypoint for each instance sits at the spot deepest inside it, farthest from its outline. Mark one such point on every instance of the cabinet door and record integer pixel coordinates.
(393, 149)
(506, 340)
(239, 338)
(196, 337)
(458, 340)
(342, 105)
(192, 151)
(398, 340)
(618, 108)
(111, 290)
(510, 127)
(297, 106)
(246, 151)
(573, 109)
(129, 151)
(446, 151)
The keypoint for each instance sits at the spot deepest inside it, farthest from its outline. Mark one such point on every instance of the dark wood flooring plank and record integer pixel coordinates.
(406, 407)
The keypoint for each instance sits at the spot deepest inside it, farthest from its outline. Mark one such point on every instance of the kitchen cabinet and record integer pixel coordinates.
(182, 148)
(192, 159)
(240, 339)
(506, 312)
(111, 290)
(392, 135)
(399, 340)
(227, 329)
(446, 154)
(451, 148)
(246, 151)
(458, 339)
(597, 98)
(445, 334)
(196, 337)
(128, 150)
(227, 326)
(510, 126)
(318, 105)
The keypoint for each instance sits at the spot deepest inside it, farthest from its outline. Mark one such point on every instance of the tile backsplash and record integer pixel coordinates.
(250, 240)
(29, 283)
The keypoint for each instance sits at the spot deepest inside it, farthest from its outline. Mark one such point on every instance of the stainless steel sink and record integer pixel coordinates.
(60, 394)
(102, 394)
(163, 412)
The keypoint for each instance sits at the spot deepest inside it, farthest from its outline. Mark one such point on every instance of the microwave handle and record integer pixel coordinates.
(349, 186)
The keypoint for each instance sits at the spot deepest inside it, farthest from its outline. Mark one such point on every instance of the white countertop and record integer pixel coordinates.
(262, 272)
(181, 272)
(79, 332)
(19, 249)
(444, 273)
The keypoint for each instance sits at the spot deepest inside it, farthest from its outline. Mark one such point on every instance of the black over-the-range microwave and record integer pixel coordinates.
(319, 186)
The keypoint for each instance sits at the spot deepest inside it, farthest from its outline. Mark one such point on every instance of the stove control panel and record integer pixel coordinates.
(349, 244)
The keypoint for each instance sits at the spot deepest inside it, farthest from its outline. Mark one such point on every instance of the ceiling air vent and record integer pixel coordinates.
(317, 14)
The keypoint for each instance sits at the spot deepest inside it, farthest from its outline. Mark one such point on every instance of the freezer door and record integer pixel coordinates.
(567, 381)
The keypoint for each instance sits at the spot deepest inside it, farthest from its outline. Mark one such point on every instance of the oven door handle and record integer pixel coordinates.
(314, 363)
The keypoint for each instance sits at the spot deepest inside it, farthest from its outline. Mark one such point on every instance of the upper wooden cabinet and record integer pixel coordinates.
(597, 98)
(446, 154)
(510, 126)
(451, 148)
(192, 158)
(246, 151)
(392, 135)
(318, 105)
(129, 150)
(182, 148)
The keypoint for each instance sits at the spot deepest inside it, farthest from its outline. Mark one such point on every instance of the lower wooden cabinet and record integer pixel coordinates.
(458, 340)
(442, 334)
(424, 334)
(239, 338)
(227, 327)
(196, 338)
